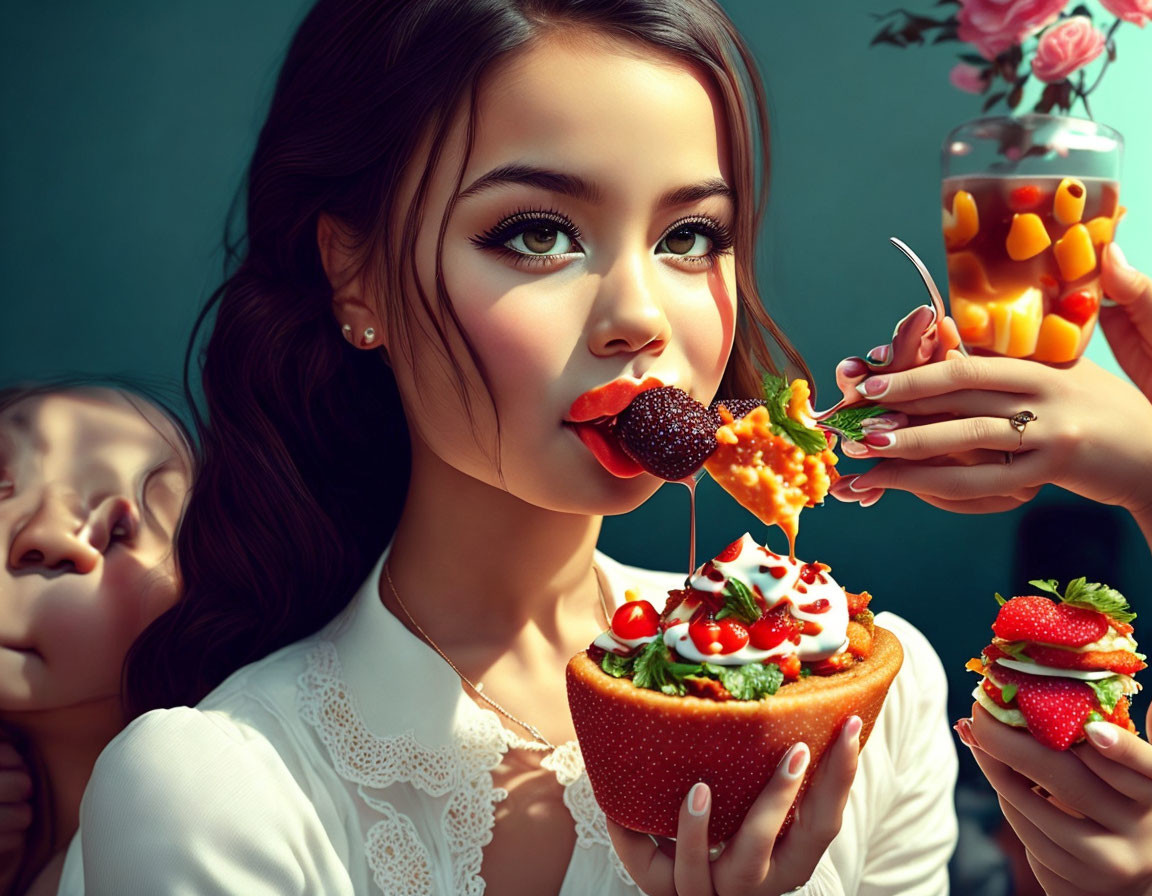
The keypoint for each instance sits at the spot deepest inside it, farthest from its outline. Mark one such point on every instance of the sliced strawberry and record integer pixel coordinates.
(857, 603)
(1035, 618)
(731, 552)
(1024, 198)
(774, 628)
(635, 619)
(705, 634)
(1124, 662)
(733, 635)
(1055, 709)
(1078, 306)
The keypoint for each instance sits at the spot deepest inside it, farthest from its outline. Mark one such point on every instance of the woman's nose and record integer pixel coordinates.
(629, 313)
(58, 538)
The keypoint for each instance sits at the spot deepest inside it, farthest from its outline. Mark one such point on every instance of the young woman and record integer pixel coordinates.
(462, 218)
(1091, 435)
(92, 484)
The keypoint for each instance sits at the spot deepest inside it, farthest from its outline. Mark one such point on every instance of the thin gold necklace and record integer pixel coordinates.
(478, 689)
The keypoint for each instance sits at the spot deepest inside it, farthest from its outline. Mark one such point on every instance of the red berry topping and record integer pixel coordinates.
(1024, 198)
(635, 619)
(731, 552)
(733, 635)
(1078, 306)
(1035, 618)
(667, 432)
(705, 634)
(774, 628)
(1055, 709)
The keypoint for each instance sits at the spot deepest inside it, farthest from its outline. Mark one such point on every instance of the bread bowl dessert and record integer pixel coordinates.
(1056, 664)
(757, 652)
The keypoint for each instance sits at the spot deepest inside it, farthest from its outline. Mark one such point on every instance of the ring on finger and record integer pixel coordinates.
(714, 852)
(1019, 422)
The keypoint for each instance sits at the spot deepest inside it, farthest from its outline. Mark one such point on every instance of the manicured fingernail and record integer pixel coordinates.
(873, 387)
(879, 355)
(852, 367)
(856, 486)
(1102, 734)
(852, 727)
(879, 439)
(871, 498)
(963, 729)
(853, 448)
(1106, 302)
(698, 798)
(1118, 258)
(797, 761)
(880, 423)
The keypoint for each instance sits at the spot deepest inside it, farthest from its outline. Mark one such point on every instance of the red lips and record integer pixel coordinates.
(591, 417)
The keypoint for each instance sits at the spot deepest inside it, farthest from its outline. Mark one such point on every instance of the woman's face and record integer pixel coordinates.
(92, 486)
(589, 244)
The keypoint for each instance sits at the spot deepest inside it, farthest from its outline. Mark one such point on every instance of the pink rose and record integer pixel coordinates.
(994, 26)
(968, 78)
(1135, 11)
(1065, 47)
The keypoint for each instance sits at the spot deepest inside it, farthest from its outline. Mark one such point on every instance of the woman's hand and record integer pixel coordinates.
(753, 862)
(1128, 324)
(949, 438)
(15, 811)
(1092, 832)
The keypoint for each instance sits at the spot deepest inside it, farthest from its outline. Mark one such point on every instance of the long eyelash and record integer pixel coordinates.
(497, 236)
(718, 233)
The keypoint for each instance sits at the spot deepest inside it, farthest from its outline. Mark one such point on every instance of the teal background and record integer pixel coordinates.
(127, 126)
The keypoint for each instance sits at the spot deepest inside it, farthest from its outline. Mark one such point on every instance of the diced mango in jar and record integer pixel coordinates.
(1101, 230)
(966, 275)
(972, 321)
(1059, 340)
(1068, 206)
(1027, 237)
(1016, 323)
(1074, 253)
(962, 223)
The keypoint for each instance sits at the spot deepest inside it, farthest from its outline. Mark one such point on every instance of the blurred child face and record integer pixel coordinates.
(589, 244)
(91, 489)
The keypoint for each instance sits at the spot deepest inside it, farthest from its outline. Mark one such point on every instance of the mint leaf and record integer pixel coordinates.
(1008, 692)
(1015, 649)
(1090, 596)
(617, 666)
(739, 601)
(751, 682)
(847, 421)
(655, 670)
(777, 394)
(1108, 692)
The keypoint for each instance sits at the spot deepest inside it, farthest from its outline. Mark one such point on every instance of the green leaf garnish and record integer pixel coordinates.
(616, 665)
(753, 681)
(655, 670)
(1008, 692)
(777, 393)
(846, 422)
(1108, 692)
(1015, 649)
(739, 601)
(1090, 596)
(1000, 600)
(1094, 717)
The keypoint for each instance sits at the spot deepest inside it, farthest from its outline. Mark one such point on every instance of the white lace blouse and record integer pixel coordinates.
(353, 762)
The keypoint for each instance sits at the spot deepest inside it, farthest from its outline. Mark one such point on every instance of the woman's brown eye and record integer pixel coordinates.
(681, 242)
(541, 239)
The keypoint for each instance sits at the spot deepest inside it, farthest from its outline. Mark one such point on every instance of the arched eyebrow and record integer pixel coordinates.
(582, 190)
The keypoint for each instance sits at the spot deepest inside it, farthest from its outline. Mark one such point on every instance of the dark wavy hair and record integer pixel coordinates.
(305, 447)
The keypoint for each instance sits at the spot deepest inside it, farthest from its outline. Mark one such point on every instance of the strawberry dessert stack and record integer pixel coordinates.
(1054, 665)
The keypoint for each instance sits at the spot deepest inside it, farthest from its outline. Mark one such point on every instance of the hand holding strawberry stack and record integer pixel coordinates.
(1055, 665)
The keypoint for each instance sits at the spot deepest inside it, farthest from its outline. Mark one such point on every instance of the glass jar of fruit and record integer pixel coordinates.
(1029, 203)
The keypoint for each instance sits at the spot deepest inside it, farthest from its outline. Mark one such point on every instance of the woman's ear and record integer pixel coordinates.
(343, 265)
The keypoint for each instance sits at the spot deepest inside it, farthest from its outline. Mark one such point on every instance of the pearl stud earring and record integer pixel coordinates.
(369, 335)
